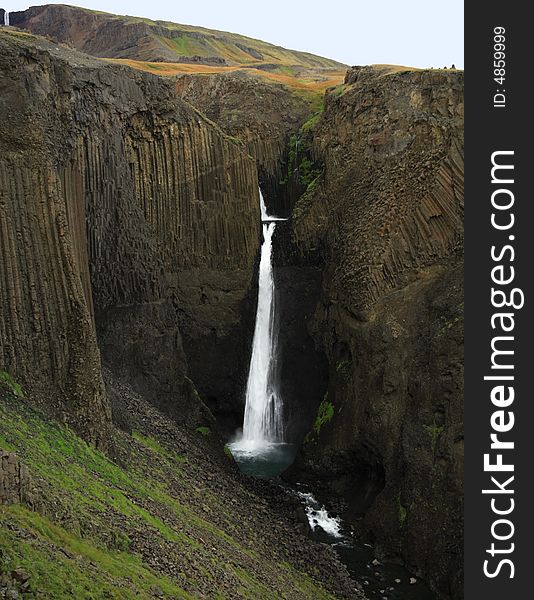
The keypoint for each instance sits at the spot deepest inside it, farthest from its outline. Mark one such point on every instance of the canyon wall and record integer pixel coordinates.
(126, 212)
(385, 222)
(262, 114)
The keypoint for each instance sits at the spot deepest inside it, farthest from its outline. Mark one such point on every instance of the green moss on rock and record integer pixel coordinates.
(7, 381)
(434, 433)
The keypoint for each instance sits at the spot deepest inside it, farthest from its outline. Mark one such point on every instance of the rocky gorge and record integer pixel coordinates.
(130, 235)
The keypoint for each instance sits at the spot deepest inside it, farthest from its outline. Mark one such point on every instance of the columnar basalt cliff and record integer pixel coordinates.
(385, 219)
(129, 238)
(124, 207)
(262, 114)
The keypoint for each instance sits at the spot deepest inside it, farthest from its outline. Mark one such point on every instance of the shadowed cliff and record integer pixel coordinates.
(385, 221)
(123, 206)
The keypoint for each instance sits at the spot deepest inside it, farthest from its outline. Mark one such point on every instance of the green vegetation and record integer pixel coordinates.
(11, 384)
(205, 431)
(149, 442)
(313, 120)
(299, 164)
(106, 529)
(434, 432)
(403, 511)
(339, 90)
(324, 414)
(185, 45)
(62, 565)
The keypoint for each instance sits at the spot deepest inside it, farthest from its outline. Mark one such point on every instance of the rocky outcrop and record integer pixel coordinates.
(47, 337)
(15, 480)
(122, 208)
(385, 221)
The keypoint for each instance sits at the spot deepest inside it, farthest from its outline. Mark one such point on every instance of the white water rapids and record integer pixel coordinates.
(318, 516)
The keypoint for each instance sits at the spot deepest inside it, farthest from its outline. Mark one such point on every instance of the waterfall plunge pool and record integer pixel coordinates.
(265, 460)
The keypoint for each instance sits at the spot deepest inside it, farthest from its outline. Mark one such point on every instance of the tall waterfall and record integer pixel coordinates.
(263, 408)
(262, 423)
(6, 18)
(261, 449)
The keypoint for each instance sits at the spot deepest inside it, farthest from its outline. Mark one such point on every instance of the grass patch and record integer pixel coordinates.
(97, 518)
(149, 442)
(324, 414)
(63, 565)
(205, 431)
(11, 384)
(312, 121)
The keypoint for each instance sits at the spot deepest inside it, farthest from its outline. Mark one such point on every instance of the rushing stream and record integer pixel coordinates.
(260, 450)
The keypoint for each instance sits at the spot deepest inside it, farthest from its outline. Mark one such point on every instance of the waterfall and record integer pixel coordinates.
(6, 18)
(262, 423)
(263, 408)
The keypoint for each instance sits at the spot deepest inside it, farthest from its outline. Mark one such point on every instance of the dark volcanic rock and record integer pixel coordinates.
(262, 114)
(121, 206)
(386, 219)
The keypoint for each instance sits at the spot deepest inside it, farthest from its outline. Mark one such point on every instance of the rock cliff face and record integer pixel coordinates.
(123, 208)
(262, 114)
(129, 233)
(385, 220)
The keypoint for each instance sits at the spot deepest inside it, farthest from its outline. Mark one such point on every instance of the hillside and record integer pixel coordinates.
(171, 48)
(162, 518)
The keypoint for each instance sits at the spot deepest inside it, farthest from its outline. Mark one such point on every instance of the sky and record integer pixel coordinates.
(417, 33)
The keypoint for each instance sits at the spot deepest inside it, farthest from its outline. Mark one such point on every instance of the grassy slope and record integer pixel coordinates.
(201, 41)
(306, 74)
(311, 84)
(146, 528)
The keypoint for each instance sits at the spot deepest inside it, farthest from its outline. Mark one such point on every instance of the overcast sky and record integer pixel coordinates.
(419, 33)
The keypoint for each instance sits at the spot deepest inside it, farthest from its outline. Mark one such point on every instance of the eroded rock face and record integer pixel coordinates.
(15, 480)
(124, 208)
(262, 114)
(386, 221)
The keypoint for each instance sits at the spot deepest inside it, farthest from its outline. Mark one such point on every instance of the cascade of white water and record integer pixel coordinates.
(263, 408)
(262, 423)
(264, 215)
(263, 209)
(6, 18)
